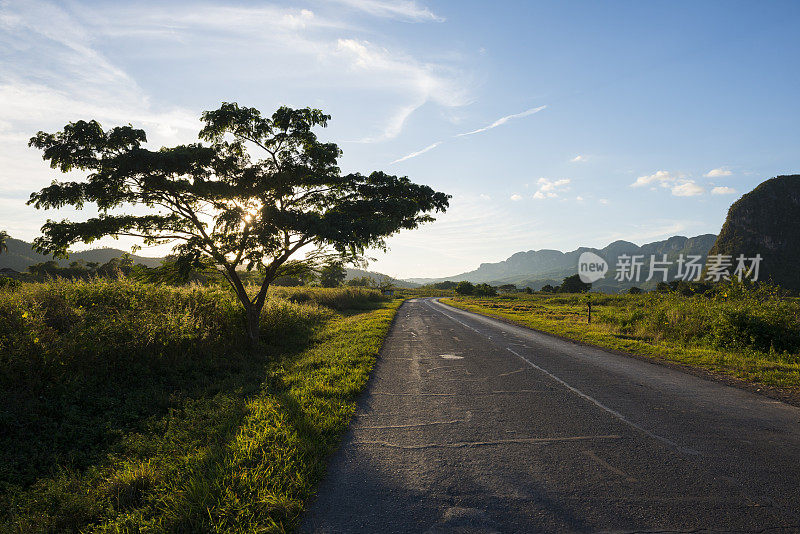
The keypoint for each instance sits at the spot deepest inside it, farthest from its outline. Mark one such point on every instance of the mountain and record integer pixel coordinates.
(20, 256)
(536, 268)
(766, 221)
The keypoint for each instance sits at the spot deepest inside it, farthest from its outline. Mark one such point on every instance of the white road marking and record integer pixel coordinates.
(414, 425)
(581, 394)
(461, 444)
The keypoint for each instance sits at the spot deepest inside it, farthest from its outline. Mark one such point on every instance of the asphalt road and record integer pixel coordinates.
(473, 425)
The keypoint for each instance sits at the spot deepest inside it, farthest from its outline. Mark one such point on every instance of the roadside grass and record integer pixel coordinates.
(749, 334)
(129, 407)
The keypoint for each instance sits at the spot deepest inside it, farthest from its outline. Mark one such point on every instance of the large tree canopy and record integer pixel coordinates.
(255, 193)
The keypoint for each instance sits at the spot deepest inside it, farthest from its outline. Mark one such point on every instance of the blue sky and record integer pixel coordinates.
(586, 122)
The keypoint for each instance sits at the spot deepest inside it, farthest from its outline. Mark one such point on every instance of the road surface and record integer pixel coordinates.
(470, 424)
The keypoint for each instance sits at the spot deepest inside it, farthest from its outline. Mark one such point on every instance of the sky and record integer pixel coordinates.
(552, 124)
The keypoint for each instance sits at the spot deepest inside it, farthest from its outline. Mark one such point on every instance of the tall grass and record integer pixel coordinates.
(340, 298)
(129, 407)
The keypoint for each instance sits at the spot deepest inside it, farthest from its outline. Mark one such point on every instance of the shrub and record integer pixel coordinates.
(9, 283)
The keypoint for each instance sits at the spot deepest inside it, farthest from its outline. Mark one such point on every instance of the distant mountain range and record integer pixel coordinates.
(536, 268)
(20, 256)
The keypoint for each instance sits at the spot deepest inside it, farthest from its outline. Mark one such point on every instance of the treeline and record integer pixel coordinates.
(573, 284)
(113, 268)
(173, 272)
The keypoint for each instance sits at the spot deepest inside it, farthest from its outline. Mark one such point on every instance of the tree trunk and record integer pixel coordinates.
(253, 316)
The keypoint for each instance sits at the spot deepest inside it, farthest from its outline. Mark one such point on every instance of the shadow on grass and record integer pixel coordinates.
(59, 427)
(149, 438)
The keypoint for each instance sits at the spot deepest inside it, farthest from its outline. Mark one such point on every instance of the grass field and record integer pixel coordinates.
(138, 408)
(752, 335)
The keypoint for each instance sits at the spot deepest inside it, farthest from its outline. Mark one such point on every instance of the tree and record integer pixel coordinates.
(332, 274)
(447, 284)
(361, 281)
(3, 240)
(507, 288)
(485, 290)
(465, 288)
(547, 288)
(634, 290)
(574, 284)
(217, 200)
(528, 290)
(385, 284)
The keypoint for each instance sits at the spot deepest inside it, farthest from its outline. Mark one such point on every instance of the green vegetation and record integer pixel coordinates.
(735, 330)
(131, 407)
(258, 191)
(468, 288)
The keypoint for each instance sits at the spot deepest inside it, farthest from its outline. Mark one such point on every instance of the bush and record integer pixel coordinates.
(9, 283)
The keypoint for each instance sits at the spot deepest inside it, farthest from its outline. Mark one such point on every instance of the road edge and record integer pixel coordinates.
(790, 397)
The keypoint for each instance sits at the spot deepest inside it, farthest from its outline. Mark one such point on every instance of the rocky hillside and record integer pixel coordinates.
(766, 221)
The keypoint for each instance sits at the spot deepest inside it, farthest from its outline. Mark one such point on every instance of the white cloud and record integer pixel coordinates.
(719, 172)
(678, 184)
(403, 10)
(417, 153)
(579, 158)
(503, 120)
(603, 201)
(658, 177)
(516, 197)
(721, 190)
(550, 188)
(687, 188)
(579, 198)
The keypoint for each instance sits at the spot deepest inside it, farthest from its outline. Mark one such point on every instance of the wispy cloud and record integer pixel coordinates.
(495, 124)
(401, 9)
(311, 46)
(723, 190)
(395, 72)
(516, 197)
(579, 158)
(418, 152)
(503, 120)
(718, 172)
(550, 188)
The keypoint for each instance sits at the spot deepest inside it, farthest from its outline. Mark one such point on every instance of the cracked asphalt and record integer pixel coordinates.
(472, 425)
